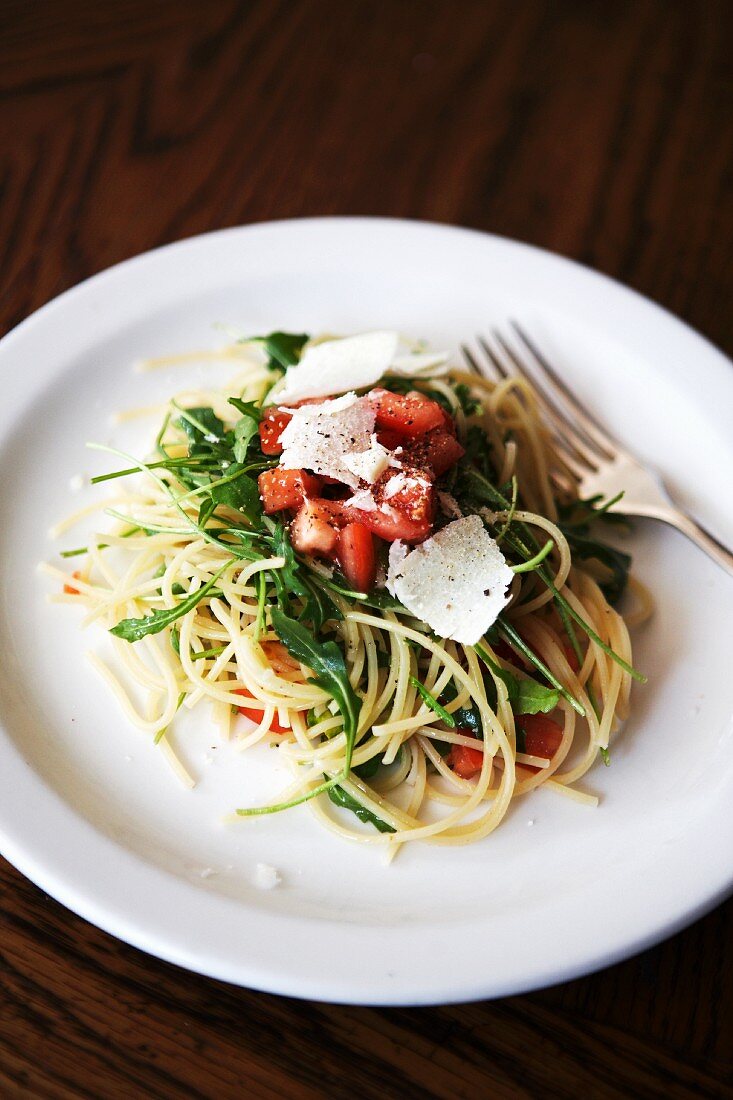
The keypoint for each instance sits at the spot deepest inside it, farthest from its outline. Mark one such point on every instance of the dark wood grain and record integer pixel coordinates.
(603, 130)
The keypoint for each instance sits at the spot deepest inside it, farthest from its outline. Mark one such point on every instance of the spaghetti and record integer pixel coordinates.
(391, 733)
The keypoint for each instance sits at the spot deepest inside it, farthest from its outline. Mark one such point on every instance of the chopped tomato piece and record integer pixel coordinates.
(316, 526)
(411, 416)
(272, 425)
(394, 524)
(390, 439)
(357, 556)
(443, 450)
(542, 736)
(256, 715)
(448, 422)
(282, 489)
(69, 589)
(465, 761)
(278, 656)
(571, 656)
(406, 513)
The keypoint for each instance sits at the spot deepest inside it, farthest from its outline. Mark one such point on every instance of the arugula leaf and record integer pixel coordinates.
(245, 428)
(433, 703)
(287, 579)
(283, 348)
(327, 662)
(525, 696)
(384, 660)
(203, 428)
(132, 630)
(340, 798)
(319, 608)
(467, 401)
(534, 698)
(369, 768)
(238, 491)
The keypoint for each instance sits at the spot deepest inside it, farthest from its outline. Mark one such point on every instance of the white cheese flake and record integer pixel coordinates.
(319, 437)
(362, 499)
(369, 465)
(456, 581)
(353, 363)
(338, 365)
(400, 482)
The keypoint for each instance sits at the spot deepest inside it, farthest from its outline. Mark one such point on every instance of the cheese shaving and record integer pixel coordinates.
(456, 581)
(337, 365)
(319, 437)
(353, 363)
(369, 465)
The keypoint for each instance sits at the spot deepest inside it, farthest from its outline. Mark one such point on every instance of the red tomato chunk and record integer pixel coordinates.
(282, 489)
(315, 529)
(465, 761)
(542, 736)
(393, 525)
(357, 556)
(256, 715)
(443, 450)
(271, 427)
(411, 416)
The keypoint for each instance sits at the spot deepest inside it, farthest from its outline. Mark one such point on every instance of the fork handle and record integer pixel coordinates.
(702, 538)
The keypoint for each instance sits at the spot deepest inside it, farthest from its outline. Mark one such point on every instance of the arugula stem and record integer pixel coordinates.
(532, 563)
(638, 676)
(431, 702)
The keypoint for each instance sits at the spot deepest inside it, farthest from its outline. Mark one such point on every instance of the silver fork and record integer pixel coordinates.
(597, 463)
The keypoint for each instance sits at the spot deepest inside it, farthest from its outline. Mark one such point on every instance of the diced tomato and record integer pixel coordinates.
(394, 525)
(278, 657)
(571, 656)
(357, 556)
(463, 760)
(69, 588)
(448, 422)
(282, 489)
(542, 736)
(272, 425)
(256, 715)
(443, 450)
(411, 416)
(316, 526)
(390, 439)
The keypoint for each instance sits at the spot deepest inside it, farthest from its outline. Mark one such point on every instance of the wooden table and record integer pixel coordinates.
(602, 130)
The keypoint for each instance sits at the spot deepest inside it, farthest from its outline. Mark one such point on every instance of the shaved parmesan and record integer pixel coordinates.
(371, 464)
(401, 482)
(352, 363)
(319, 437)
(338, 365)
(456, 581)
(363, 500)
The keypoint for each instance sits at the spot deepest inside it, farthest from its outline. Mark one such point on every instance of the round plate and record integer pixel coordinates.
(89, 809)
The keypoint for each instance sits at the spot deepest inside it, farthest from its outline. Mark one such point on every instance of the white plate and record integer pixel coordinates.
(89, 809)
